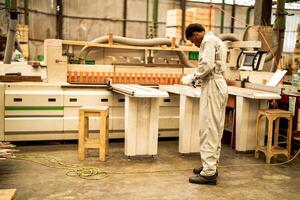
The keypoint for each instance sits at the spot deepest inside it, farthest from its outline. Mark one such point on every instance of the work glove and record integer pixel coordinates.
(188, 79)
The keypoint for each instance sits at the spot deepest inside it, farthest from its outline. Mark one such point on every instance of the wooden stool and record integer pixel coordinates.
(84, 142)
(273, 150)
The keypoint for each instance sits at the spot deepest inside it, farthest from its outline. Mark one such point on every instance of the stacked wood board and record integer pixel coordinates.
(22, 37)
(192, 15)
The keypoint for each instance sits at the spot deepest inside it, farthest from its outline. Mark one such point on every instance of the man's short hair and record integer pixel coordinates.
(193, 28)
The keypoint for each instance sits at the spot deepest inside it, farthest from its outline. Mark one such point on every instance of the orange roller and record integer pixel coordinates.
(136, 81)
(69, 76)
(161, 79)
(92, 76)
(170, 77)
(146, 80)
(125, 78)
(80, 76)
(114, 77)
(130, 78)
(119, 77)
(103, 77)
(157, 79)
(98, 77)
(143, 78)
(151, 79)
(178, 79)
(87, 76)
(75, 76)
(109, 75)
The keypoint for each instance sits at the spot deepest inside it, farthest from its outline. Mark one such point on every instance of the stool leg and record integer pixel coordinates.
(102, 150)
(257, 136)
(269, 143)
(289, 136)
(86, 128)
(276, 134)
(107, 135)
(81, 135)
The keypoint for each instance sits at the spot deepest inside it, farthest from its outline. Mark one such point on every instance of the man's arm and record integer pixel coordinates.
(206, 62)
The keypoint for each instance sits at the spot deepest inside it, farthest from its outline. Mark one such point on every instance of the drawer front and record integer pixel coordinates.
(33, 99)
(33, 124)
(88, 98)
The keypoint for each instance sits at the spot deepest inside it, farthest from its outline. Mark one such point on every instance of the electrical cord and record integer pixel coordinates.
(96, 173)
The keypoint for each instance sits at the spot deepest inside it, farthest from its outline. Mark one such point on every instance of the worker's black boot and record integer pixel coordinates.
(205, 180)
(199, 169)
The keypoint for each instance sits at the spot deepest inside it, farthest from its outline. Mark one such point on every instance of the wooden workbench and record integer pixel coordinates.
(248, 102)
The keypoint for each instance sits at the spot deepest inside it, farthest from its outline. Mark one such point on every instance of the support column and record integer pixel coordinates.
(155, 17)
(124, 18)
(183, 8)
(141, 126)
(189, 139)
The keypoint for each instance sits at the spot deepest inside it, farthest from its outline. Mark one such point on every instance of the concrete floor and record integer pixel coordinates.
(36, 182)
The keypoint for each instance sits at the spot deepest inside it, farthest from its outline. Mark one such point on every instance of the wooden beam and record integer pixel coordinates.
(59, 19)
(13, 78)
(124, 17)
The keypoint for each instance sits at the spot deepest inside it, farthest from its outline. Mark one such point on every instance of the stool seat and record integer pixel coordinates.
(84, 142)
(273, 150)
(275, 112)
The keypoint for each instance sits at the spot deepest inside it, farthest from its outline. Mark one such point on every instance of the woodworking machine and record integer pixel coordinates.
(48, 110)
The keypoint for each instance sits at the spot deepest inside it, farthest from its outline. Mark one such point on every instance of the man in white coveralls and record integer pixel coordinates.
(214, 95)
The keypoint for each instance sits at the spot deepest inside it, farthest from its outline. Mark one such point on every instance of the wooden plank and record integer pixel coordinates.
(182, 89)
(138, 91)
(8, 194)
(13, 78)
(252, 94)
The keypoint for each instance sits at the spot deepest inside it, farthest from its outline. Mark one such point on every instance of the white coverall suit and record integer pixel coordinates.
(214, 95)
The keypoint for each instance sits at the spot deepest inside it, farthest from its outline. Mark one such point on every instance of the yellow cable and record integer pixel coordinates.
(95, 173)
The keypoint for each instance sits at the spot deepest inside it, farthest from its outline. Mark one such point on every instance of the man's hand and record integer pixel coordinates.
(188, 79)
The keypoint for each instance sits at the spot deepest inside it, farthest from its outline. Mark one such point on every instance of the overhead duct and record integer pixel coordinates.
(136, 42)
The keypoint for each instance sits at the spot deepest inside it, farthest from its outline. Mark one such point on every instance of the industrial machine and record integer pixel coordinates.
(77, 73)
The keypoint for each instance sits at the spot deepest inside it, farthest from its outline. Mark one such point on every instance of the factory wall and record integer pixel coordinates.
(87, 19)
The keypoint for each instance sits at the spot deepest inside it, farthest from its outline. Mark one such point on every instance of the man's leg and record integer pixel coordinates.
(211, 130)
